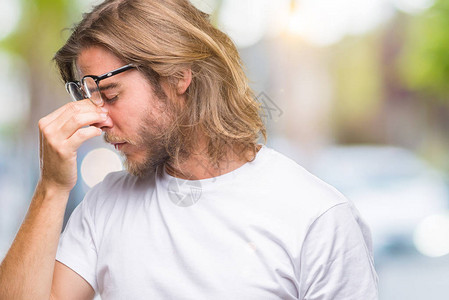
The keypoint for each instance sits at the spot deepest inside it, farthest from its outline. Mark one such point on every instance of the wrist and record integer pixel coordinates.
(49, 189)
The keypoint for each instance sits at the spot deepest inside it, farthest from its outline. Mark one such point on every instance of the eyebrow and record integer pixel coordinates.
(108, 86)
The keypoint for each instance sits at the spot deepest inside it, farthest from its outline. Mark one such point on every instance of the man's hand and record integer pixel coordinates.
(61, 133)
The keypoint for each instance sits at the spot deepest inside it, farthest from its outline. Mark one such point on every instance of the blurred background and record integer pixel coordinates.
(356, 91)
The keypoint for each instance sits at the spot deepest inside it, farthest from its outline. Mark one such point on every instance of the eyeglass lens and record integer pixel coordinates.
(74, 91)
(91, 90)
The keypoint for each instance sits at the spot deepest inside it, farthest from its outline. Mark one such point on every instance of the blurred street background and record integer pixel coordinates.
(356, 91)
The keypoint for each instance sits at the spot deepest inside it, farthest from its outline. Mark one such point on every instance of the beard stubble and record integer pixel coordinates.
(151, 139)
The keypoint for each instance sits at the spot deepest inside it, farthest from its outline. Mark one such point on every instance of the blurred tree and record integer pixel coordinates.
(424, 63)
(39, 31)
(36, 39)
(358, 89)
(423, 66)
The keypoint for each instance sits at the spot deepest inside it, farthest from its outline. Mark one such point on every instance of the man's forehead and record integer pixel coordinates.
(78, 70)
(96, 60)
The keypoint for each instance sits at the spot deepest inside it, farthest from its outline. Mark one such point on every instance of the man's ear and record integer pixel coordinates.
(184, 82)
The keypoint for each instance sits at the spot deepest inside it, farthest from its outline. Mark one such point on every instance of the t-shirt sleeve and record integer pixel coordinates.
(336, 261)
(77, 248)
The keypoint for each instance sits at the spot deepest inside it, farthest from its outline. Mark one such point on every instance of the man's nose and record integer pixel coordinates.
(104, 125)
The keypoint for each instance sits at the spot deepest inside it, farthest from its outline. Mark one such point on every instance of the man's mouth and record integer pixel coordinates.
(118, 146)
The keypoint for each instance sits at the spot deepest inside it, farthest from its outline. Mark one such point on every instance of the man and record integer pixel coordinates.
(167, 89)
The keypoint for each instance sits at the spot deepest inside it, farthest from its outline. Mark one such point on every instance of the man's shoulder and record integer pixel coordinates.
(114, 178)
(117, 188)
(282, 165)
(114, 181)
(288, 195)
(122, 180)
(295, 184)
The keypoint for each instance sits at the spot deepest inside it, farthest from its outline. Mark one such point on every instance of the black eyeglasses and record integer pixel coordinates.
(88, 86)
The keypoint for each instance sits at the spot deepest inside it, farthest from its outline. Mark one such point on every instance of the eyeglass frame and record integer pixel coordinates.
(97, 79)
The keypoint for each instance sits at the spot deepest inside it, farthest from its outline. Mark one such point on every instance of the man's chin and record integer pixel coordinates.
(138, 169)
(142, 168)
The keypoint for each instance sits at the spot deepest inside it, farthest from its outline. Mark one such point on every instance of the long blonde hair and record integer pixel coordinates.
(163, 37)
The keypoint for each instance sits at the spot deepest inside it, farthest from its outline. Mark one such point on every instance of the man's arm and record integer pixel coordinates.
(29, 267)
(27, 271)
(336, 258)
(69, 285)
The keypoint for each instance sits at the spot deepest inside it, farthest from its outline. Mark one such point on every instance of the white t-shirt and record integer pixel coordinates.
(267, 230)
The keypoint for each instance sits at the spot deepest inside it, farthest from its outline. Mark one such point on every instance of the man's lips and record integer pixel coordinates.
(118, 146)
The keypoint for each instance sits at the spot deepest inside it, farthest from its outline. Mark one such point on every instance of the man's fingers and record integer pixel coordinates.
(43, 122)
(75, 122)
(68, 109)
(82, 135)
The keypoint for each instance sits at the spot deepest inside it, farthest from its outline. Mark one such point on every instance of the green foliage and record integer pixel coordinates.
(424, 63)
(34, 42)
(357, 74)
(39, 33)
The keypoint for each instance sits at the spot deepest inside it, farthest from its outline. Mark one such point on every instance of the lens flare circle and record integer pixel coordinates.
(97, 164)
(431, 236)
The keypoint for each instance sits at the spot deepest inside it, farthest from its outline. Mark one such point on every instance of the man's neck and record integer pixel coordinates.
(199, 166)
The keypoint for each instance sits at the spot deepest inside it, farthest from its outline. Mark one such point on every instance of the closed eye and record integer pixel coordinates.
(110, 99)
(110, 92)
